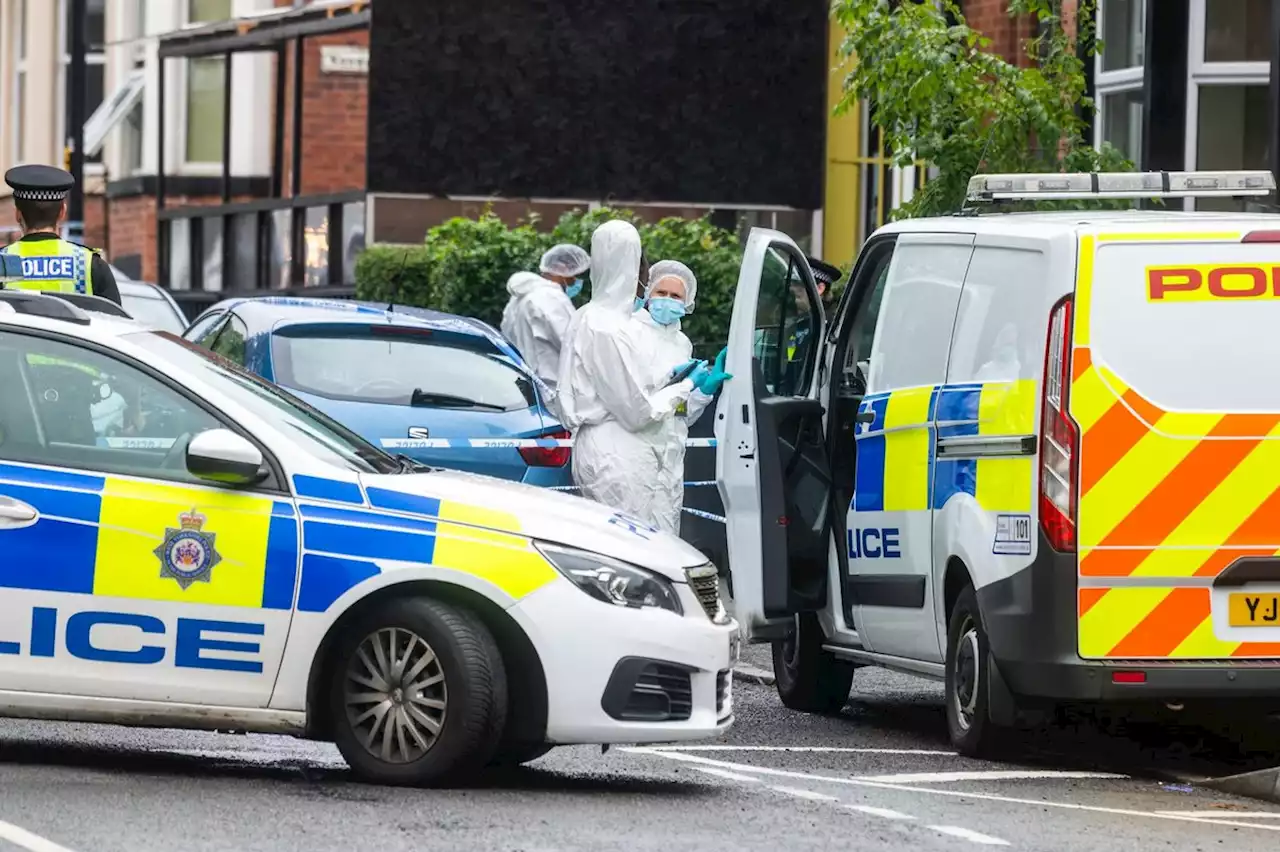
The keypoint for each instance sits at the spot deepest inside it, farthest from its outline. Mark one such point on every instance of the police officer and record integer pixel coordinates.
(50, 263)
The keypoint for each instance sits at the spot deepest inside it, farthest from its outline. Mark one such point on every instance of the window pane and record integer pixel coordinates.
(1237, 31)
(199, 11)
(204, 109)
(93, 95)
(19, 109)
(87, 410)
(785, 320)
(1122, 123)
(1123, 29)
(1232, 134)
(131, 139)
(95, 27)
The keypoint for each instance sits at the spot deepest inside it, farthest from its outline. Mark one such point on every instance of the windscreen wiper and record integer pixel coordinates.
(446, 400)
(411, 465)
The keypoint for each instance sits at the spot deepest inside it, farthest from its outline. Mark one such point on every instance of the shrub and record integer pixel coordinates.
(463, 265)
(402, 274)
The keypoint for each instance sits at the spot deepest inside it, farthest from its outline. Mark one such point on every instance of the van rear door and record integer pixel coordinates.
(1176, 392)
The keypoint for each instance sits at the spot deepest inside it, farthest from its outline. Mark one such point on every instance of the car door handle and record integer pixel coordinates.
(868, 416)
(14, 514)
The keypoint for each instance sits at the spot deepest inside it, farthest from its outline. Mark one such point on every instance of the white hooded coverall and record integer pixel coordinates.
(535, 320)
(658, 465)
(606, 389)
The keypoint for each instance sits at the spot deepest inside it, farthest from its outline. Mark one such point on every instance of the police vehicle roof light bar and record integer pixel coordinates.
(1051, 186)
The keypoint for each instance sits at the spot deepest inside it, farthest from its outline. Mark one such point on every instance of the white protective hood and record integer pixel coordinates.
(615, 274)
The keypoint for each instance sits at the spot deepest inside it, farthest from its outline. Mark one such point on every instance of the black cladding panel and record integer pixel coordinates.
(711, 101)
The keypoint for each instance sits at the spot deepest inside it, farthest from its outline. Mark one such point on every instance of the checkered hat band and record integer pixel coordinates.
(39, 194)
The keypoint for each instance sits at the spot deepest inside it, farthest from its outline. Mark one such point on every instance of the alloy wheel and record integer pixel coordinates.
(395, 695)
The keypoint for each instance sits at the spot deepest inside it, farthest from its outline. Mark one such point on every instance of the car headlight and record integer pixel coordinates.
(612, 581)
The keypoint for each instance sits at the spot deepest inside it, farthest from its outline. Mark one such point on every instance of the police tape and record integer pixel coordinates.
(129, 443)
(502, 443)
(698, 483)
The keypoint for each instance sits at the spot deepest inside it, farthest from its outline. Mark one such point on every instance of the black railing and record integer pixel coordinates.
(280, 245)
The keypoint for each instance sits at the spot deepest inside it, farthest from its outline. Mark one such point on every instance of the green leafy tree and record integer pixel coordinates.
(474, 259)
(941, 97)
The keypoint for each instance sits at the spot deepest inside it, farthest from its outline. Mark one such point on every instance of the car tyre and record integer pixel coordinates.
(807, 677)
(969, 723)
(418, 694)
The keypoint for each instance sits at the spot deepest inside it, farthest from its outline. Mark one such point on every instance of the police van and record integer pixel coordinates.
(183, 544)
(1033, 455)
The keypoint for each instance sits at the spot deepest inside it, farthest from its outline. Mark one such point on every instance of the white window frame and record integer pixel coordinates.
(98, 58)
(1204, 74)
(19, 77)
(1119, 81)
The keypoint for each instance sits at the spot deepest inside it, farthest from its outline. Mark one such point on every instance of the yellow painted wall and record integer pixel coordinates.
(840, 201)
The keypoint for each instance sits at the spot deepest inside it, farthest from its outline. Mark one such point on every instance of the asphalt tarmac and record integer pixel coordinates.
(878, 776)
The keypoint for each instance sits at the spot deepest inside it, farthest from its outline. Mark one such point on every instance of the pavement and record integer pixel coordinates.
(879, 776)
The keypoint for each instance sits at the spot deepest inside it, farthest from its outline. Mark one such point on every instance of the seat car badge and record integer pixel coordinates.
(420, 433)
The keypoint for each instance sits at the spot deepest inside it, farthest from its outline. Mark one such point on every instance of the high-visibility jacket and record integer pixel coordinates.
(55, 266)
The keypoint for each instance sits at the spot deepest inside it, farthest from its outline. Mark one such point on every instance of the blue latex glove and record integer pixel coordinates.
(680, 367)
(700, 373)
(715, 377)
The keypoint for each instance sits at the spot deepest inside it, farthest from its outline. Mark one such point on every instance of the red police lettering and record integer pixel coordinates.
(1218, 282)
(1172, 280)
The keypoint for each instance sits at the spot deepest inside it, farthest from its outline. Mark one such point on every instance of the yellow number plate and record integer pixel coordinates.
(1245, 610)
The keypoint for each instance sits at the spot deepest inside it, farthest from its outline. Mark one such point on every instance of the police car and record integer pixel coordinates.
(210, 552)
(1031, 455)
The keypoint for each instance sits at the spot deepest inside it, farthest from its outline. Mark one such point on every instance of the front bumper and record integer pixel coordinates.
(1031, 625)
(629, 676)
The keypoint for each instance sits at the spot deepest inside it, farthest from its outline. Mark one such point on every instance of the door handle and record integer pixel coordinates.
(868, 416)
(14, 514)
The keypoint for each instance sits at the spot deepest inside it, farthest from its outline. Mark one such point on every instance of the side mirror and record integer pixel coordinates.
(222, 456)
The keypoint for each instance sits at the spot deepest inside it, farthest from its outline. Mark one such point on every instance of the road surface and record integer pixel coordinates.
(878, 777)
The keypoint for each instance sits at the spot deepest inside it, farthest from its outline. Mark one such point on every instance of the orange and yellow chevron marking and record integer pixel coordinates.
(1163, 495)
(1152, 623)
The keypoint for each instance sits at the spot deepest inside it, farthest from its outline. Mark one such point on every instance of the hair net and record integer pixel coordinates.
(566, 260)
(674, 269)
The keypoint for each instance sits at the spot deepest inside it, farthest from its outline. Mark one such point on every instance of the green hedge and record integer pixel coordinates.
(462, 266)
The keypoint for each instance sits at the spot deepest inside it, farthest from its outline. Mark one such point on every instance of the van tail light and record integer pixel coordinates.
(1059, 436)
(1262, 237)
(547, 456)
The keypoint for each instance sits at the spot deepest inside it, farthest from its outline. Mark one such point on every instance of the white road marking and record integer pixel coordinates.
(808, 749)
(885, 813)
(25, 839)
(934, 791)
(805, 794)
(732, 776)
(971, 836)
(1216, 812)
(983, 775)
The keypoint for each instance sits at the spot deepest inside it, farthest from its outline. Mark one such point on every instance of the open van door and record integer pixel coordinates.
(771, 464)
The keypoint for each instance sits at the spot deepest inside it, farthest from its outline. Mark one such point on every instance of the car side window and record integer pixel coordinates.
(787, 321)
(201, 333)
(72, 406)
(230, 341)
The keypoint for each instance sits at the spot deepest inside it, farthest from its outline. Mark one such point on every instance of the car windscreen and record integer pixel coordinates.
(394, 365)
(315, 432)
(151, 310)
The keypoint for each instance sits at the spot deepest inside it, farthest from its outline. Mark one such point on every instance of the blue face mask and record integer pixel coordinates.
(639, 303)
(665, 310)
(574, 289)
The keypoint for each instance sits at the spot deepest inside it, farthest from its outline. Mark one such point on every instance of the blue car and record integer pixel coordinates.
(396, 374)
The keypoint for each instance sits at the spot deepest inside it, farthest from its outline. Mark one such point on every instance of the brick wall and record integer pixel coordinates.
(1009, 35)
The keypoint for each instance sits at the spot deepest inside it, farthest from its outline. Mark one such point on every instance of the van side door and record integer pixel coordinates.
(889, 532)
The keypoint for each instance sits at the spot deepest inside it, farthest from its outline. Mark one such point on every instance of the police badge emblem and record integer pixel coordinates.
(187, 554)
